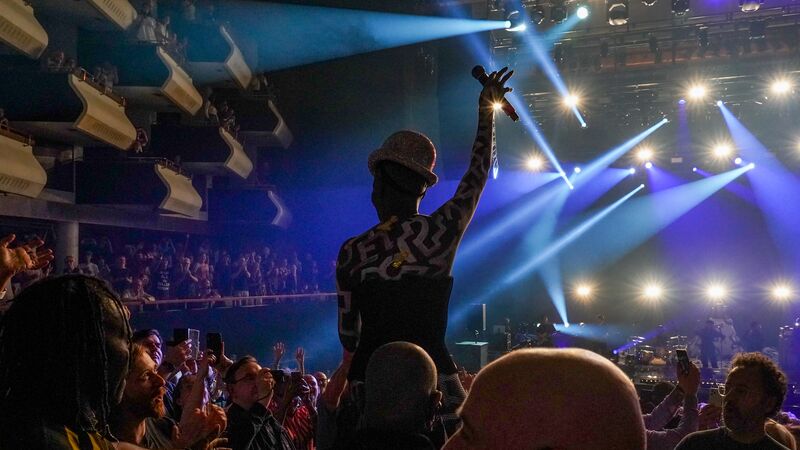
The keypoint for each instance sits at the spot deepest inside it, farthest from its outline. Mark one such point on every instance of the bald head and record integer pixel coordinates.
(400, 388)
(551, 398)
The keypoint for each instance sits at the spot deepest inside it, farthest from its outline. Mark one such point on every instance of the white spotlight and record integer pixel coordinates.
(722, 150)
(644, 154)
(632, 171)
(697, 92)
(653, 291)
(782, 292)
(781, 86)
(738, 161)
(582, 12)
(648, 165)
(571, 100)
(751, 166)
(577, 169)
(716, 292)
(583, 291)
(719, 102)
(497, 106)
(535, 163)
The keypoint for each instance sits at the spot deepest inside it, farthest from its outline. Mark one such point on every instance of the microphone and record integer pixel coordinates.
(479, 73)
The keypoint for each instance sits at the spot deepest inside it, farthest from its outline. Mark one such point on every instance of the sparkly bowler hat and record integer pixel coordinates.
(410, 149)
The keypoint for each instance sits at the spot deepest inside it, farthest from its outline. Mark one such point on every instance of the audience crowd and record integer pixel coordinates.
(74, 375)
(161, 270)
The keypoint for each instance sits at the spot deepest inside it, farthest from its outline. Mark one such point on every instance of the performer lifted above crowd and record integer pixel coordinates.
(394, 279)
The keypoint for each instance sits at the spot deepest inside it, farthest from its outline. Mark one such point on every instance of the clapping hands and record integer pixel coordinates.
(28, 256)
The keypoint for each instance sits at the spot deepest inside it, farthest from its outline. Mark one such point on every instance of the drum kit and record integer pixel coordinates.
(663, 354)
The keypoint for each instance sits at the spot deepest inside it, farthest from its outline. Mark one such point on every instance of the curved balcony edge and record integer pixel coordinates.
(102, 118)
(238, 162)
(179, 87)
(20, 172)
(182, 197)
(120, 12)
(20, 29)
(235, 63)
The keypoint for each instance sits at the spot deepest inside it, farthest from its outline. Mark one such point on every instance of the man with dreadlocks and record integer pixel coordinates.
(394, 279)
(77, 324)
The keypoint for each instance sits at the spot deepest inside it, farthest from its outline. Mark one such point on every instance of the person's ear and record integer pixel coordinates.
(435, 402)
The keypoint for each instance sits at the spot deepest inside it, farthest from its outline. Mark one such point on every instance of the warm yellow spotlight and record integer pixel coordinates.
(571, 101)
(644, 154)
(781, 87)
(584, 291)
(723, 150)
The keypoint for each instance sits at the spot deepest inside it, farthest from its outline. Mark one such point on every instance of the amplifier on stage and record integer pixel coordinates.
(472, 355)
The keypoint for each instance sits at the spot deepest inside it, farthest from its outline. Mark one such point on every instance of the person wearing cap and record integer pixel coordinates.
(394, 279)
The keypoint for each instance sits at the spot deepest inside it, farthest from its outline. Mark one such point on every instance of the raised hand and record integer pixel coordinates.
(278, 349)
(216, 420)
(690, 381)
(300, 356)
(494, 89)
(191, 429)
(24, 257)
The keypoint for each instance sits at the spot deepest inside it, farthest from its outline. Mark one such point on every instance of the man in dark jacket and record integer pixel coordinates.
(251, 426)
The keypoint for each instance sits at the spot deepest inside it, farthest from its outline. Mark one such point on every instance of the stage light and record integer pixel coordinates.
(719, 103)
(535, 163)
(653, 291)
(758, 30)
(738, 161)
(782, 292)
(750, 5)
(644, 154)
(632, 171)
(722, 150)
(618, 12)
(781, 87)
(682, 101)
(716, 292)
(649, 2)
(584, 291)
(558, 12)
(537, 14)
(582, 12)
(497, 106)
(694, 169)
(577, 169)
(751, 166)
(571, 100)
(697, 92)
(680, 7)
(648, 165)
(516, 21)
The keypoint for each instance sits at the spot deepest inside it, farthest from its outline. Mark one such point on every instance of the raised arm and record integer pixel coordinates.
(461, 207)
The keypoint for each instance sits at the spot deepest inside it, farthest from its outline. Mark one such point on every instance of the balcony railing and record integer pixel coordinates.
(254, 301)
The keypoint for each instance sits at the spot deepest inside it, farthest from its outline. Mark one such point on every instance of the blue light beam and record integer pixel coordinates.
(559, 244)
(294, 35)
(533, 129)
(772, 185)
(542, 56)
(639, 220)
